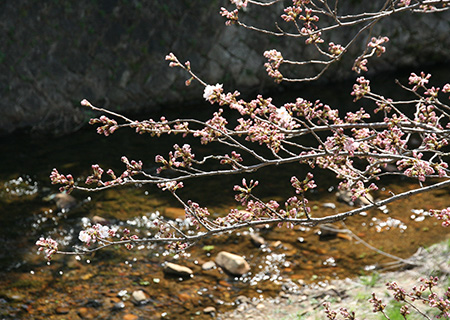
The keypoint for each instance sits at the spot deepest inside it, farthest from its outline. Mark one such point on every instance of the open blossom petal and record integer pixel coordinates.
(103, 231)
(285, 117)
(209, 90)
(84, 236)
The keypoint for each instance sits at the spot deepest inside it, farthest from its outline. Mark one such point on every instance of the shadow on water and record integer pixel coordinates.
(100, 286)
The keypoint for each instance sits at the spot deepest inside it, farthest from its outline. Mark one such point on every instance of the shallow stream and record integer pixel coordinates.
(100, 286)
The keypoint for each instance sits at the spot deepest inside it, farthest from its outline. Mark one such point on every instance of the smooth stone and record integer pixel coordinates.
(232, 263)
(93, 303)
(260, 306)
(243, 299)
(209, 310)
(176, 269)
(83, 312)
(139, 296)
(208, 265)
(14, 297)
(130, 316)
(346, 197)
(277, 243)
(63, 200)
(100, 220)
(329, 205)
(257, 240)
(328, 231)
(62, 310)
(345, 236)
(118, 306)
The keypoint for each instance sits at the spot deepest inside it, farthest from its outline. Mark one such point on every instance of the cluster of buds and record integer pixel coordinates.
(316, 110)
(339, 142)
(164, 229)
(377, 45)
(378, 305)
(177, 246)
(96, 176)
(239, 3)
(233, 160)
(360, 89)
(305, 185)
(245, 190)
(196, 213)
(171, 186)
(443, 215)
(66, 180)
(360, 65)
(265, 133)
(232, 16)
(216, 127)
(173, 60)
(295, 208)
(49, 246)
(272, 67)
(108, 125)
(235, 216)
(126, 236)
(359, 190)
(181, 158)
(335, 49)
(416, 167)
(419, 81)
(133, 167)
(446, 88)
(426, 114)
(333, 315)
(404, 3)
(425, 293)
(291, 13)
(154, 128)
(353, 117)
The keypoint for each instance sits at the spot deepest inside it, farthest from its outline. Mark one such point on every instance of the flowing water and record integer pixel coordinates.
(100, 286)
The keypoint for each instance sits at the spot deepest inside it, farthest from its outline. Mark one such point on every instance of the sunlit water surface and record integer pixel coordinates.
(100, 286)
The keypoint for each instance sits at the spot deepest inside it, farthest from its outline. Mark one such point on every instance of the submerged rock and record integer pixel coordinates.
(329, 205)
(100, 220)
(118, 306)
(257, 240)
(208, 265)
(139, 297)
(62, 310)
(232, 263)
(63, 200)
(346, 197)
(178, 270)
(209, 310)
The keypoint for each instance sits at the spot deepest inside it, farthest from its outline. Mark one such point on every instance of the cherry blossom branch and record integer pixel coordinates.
(309, 133)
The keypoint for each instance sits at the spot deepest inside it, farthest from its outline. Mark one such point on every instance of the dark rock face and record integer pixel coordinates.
(111, 52)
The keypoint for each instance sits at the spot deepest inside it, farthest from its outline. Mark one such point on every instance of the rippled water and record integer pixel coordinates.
(101, 285)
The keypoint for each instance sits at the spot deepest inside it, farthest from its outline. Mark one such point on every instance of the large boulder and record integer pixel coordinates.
(112, 53)
(232, 263)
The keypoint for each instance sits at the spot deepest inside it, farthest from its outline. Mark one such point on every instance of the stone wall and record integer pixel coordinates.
(55, 53)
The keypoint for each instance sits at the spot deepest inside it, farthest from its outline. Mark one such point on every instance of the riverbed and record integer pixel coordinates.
(101, 286)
